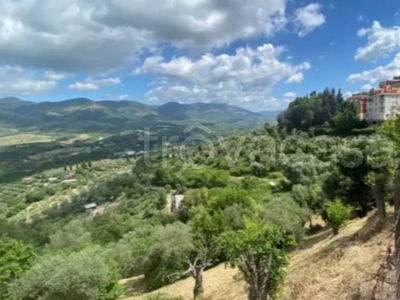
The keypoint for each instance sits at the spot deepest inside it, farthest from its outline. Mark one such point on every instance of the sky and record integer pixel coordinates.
(255, 54)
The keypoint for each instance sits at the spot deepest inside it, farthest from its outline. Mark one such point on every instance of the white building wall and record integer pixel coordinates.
(383, 107)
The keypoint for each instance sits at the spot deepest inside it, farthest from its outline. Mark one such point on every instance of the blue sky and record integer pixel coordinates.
(256, 54)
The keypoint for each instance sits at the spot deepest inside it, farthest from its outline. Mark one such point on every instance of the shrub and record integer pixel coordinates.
(338, 214)
(15, 258)
(35, 196)
(287, 215)
(168, 254)
(84, 275)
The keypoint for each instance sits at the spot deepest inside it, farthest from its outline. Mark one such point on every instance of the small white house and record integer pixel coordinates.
(90, 206)
(176, 204)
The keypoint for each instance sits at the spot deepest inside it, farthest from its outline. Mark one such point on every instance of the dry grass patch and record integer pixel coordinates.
(341, 267)
(79, 138)
(219, 284)
(24, 139)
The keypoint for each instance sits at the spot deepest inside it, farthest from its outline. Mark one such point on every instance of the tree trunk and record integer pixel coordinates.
(397, 230)
(258, 281)
(198, 290)
(335, 230)
(380, 203)
(397, 211)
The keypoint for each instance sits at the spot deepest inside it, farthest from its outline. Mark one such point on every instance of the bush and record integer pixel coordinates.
(131, 252)
(287, 215)
(71, 238)
(168, 254)
(15, 258)
(35, 196)
(338, 214)
(84, 275)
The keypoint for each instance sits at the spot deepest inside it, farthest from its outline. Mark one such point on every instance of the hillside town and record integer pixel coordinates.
(379, 104)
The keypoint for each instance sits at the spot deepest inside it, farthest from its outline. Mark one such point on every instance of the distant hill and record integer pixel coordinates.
(85, 115)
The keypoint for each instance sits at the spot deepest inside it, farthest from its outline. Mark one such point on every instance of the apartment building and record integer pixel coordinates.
(383, 104)
(385, 101)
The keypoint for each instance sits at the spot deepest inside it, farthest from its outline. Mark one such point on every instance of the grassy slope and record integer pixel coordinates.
(24, 139)
(327, 267)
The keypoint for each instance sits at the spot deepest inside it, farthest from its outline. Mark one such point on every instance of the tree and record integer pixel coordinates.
(313, 110)
(35, 196)
(338, 214)
(348, 119)
(308, 198)
(15, 259)
(287, 215)
(85, 275)
(380, 180)
(72, 237)
(131, 252)
(206, 231)
(348, 179)
(168, 254)
(259, 252)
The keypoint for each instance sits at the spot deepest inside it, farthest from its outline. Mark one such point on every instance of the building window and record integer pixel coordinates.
(381, 109)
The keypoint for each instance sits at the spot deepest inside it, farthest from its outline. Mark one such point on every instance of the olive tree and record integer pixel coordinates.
(72, 237)
(259, 253)
(84, 275)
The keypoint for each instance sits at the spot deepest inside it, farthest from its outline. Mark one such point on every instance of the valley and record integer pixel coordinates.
(182, 212)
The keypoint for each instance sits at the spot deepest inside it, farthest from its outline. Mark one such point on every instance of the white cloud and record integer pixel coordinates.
(290, 95)
(104, 81)
(96, 36)
(366, 87)
(91, 84)
(296, 78)
(378, 74)
(244, 78)
(308, 18)
(16, 81)
(360, 18)
(123, 97)
(56, 76)
(348, 95)
(381, 42)
(83, 86)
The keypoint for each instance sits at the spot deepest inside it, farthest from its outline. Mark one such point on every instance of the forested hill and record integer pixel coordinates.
(327, 109)
(84, 115)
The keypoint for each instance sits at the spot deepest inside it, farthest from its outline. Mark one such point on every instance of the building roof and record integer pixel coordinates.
(359, 97)
(90, 205)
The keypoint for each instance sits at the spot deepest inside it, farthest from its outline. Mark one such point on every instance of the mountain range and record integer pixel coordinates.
(85, 115)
